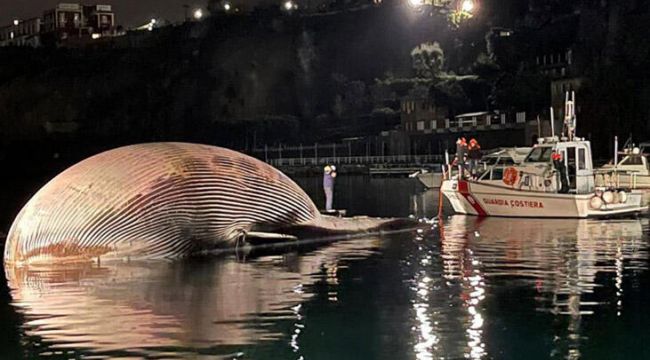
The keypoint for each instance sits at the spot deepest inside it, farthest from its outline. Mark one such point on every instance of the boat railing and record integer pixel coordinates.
(612, 178)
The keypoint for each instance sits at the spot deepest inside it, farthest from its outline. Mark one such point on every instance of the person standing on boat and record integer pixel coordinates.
(328, 186)
(461, 156)
(474, 154)
(558, 164)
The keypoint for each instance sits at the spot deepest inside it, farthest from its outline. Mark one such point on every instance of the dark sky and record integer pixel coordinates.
(127, 12)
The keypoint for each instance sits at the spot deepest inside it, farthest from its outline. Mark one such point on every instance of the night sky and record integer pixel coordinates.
(128, 12)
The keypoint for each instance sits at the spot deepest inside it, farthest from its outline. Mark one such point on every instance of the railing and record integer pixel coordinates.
(359, 160)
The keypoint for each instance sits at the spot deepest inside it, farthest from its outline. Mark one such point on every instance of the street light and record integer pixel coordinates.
(227, 6)
(289, 5)
(467, 6)
(416, 3)
(198, 14)
(16, 22)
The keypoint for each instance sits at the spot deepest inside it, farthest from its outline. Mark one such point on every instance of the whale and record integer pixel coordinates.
(164, 200)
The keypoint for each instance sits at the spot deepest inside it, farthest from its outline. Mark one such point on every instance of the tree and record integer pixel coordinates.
(428, 60)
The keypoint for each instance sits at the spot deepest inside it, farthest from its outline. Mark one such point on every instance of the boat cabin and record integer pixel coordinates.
(632, 160)
(538, 168)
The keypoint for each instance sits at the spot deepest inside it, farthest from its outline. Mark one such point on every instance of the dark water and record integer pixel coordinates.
(469, 288)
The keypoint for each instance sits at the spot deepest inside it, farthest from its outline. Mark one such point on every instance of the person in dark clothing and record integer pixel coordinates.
(474, 155)
(461, 156)
(558, 164)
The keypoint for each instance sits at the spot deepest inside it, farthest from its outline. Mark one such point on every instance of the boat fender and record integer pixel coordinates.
(510, 176)
(596, 202)
(608, 197)
(622, 196)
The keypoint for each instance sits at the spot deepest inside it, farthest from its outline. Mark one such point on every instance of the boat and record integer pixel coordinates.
(430, 178)
(534, 187)
(492, 164)
(632, 171)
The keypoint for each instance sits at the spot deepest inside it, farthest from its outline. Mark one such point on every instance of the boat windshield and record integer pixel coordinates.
(540, 154)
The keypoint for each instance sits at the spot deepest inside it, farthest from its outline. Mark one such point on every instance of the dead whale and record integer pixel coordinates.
(162, 200)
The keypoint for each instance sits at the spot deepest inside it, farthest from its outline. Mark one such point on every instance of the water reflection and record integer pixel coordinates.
(559, 259)
(176, 309)
(471, 288)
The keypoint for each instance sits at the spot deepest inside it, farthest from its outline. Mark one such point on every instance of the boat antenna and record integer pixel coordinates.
(615, 152)
(552, 122)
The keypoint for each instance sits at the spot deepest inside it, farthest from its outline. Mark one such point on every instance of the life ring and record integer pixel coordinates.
(510, 176)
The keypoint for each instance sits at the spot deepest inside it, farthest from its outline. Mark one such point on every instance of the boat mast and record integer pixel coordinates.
(570, 115)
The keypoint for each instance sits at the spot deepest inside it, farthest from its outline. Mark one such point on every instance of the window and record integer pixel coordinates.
(632, 160)
(420, 125)
(497, 174)
(581, 159)
(434, 124)
(540, 154)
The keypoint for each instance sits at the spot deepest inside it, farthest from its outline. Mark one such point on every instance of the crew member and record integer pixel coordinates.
(474, 154)
(328, 185)
(558, 164)
(461, 156)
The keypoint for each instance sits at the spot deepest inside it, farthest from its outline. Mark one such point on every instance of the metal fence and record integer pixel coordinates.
(358, 160)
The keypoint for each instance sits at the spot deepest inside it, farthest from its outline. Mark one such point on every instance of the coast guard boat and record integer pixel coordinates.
(533, 188)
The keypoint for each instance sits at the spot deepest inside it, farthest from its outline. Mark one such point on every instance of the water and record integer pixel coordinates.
(470, 288)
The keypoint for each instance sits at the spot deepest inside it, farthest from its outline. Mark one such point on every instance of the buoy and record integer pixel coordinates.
(608, 197)
(622, 196)
(595, 202)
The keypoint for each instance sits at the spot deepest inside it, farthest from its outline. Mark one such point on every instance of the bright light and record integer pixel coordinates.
(153, 21)
(16, 22)
(467, 6)
(416, 3)
(96, 36)
(289, 5)
(227, 6)
(198, 14)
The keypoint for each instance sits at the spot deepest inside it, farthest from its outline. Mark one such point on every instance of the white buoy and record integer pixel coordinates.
(608, 197)
(622, 196)
(595, 202)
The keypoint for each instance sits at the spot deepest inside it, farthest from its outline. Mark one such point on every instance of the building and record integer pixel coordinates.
(65, 21)
(21, 33)
(422, 115)
(98, 19)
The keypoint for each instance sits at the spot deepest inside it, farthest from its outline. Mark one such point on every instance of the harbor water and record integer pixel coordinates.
(461, 288)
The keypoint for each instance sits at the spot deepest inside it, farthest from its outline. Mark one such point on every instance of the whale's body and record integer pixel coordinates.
(156, 200)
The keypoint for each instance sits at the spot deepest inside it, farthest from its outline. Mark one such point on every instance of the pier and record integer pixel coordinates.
(311, 159)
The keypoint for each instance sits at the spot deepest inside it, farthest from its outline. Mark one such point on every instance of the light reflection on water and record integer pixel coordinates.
(467, 288)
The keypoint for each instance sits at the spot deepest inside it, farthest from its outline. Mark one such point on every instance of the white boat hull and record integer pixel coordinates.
(476, 198)
(430, 179)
